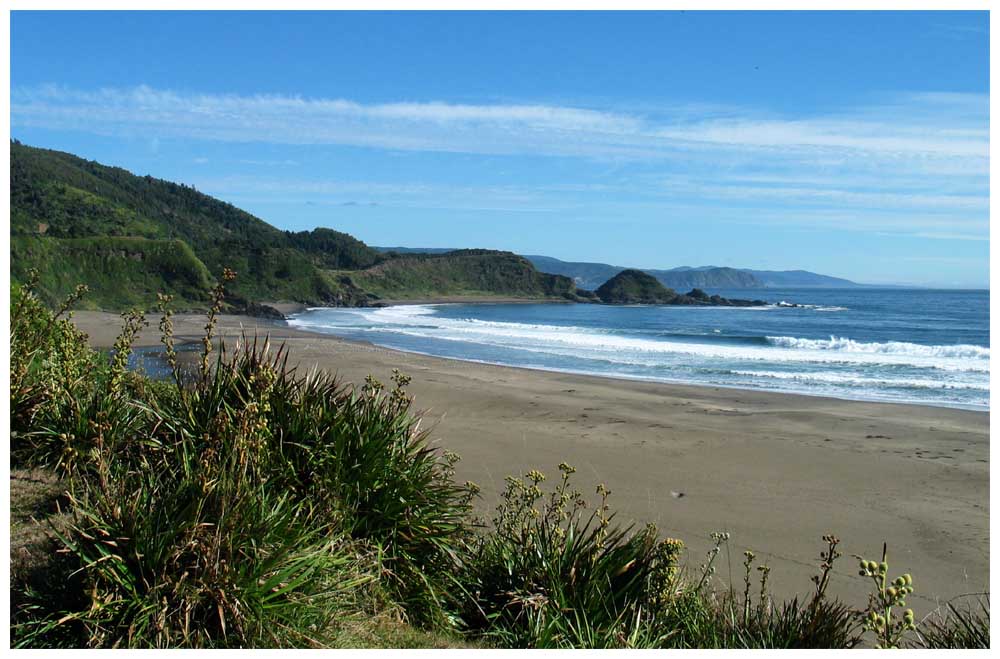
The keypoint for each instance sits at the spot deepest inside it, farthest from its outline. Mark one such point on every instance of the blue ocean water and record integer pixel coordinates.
(916, 346)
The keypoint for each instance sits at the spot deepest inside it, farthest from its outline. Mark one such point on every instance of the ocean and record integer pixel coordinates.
(900, 345)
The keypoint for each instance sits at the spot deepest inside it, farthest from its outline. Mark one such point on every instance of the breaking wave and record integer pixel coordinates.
(889, 347)
(619, 344)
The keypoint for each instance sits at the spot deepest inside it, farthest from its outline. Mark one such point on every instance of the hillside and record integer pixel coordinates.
(415, 250)
(634, 287)
(801, 279)
(638, 287)
(708, 278)
(461, 272)
(128, 237)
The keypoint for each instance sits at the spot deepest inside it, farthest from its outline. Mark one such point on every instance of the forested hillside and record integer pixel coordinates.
(128, 237)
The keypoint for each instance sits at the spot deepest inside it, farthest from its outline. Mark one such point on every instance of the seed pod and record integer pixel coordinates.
(883, 567)
(908, 579)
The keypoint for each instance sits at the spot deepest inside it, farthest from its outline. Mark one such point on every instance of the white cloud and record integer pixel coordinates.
(952, 236)
(916, 125)
(268, 163)
(915, 163)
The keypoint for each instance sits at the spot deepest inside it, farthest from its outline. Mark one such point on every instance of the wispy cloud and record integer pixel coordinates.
(538, 129)
(914, 163)
(952, 236)
(644, 204)
(268, 163)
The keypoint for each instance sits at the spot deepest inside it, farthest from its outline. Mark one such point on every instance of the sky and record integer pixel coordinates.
(853, 144)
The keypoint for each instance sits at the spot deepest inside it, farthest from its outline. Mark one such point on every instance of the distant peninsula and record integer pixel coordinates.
(589, 275)
(637, 287)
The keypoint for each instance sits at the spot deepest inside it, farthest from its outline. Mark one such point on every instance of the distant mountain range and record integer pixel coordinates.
(591, 275)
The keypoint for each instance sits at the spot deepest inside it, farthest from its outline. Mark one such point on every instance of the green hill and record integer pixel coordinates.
(461, 272)
(128, 237)
(635, 287)
(638, 287)
(120, 272)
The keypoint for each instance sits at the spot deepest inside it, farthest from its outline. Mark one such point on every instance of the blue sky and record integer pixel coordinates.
(849, 143)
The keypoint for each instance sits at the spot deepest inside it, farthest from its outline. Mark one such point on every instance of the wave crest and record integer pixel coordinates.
(842, 344)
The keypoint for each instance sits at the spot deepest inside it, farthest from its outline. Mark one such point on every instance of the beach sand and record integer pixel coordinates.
(777, 471)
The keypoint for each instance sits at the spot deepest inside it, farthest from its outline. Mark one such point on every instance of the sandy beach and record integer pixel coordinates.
(777, 471)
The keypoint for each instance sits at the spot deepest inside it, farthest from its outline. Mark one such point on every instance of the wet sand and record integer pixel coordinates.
(777, 471)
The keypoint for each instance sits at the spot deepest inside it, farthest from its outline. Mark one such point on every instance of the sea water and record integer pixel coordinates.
(901, 345)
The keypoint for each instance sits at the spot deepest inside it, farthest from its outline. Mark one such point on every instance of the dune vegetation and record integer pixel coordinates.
(242, 503)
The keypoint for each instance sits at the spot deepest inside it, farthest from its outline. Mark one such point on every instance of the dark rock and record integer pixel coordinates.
(258, 310)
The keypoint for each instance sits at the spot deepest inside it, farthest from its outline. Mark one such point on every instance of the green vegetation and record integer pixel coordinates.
(240, 503)
(120, 272)
(635, 287)
(461, 272)
(881, 618)
(129, 237)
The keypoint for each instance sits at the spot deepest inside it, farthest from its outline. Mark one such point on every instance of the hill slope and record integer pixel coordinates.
(708, 278)
(58, 197)
(634, 287)
(801, 279)
(637, 287)
(128, 237)
(461, 272)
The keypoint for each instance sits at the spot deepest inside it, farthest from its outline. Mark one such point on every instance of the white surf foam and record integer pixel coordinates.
(422, 321)
(851, 379)
(834, 343)
(837, 364)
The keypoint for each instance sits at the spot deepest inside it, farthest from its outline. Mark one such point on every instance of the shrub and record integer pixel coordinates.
(695, 617)
(362, 455)
(243, 505)
(548, 576)
(881, 618)
(179, 535)
(50, 367)
(962, 626)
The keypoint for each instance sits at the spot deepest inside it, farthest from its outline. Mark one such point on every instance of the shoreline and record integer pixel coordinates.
(282, 325)
(286, 308)
(609, 376)
(777, 470)
(670, 383)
